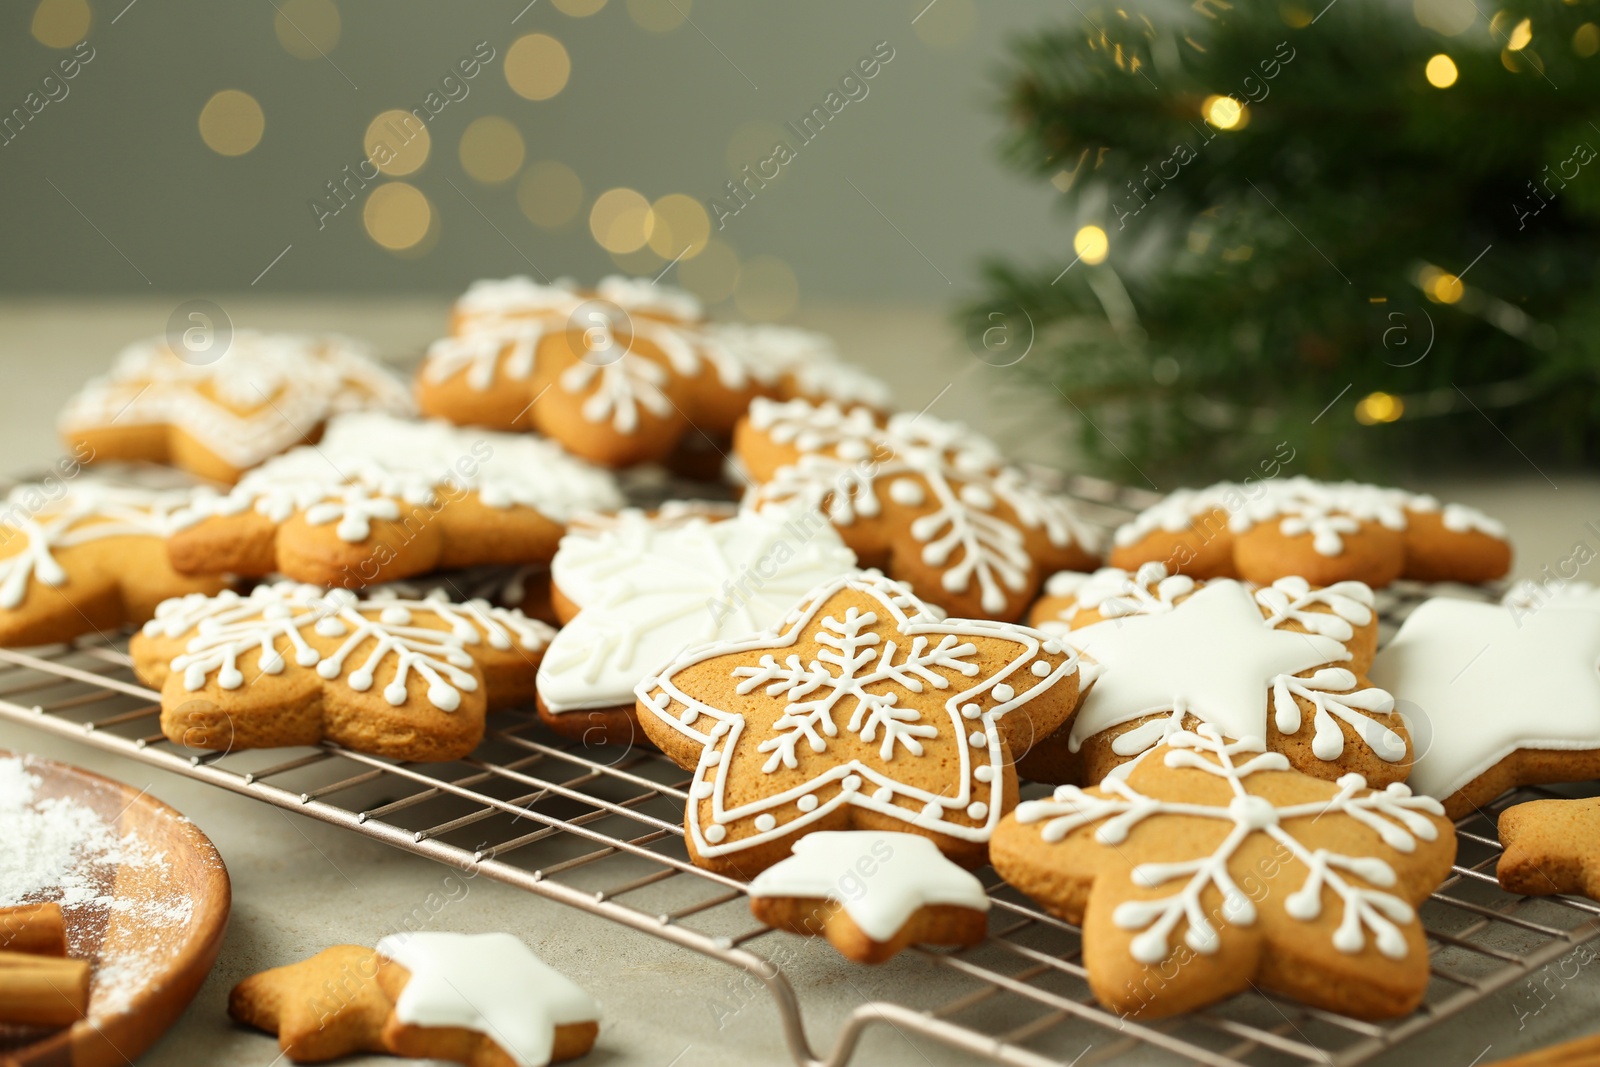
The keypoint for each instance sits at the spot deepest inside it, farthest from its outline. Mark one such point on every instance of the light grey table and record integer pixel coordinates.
(300, 885)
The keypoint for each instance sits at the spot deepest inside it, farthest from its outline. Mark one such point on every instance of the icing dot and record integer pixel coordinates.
(715, 834)
(978, 739)
(977, 810)
(1040, 668)
(907, 492)
(330, 627)
(851, 784)
(395, 616)
(1051, 648)
(853, 450)
(306, 657)
(687, 716)
(971, 711)
(984, 773)
(765, 822)
(976, 496)
(702, 789)
(395, 693)
(883, 793)
(932, 810)
(807, 802)
(1004, 692)
(713, 758)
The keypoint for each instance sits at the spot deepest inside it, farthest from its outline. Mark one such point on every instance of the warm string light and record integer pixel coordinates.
(1091, 244)
(1379, 407)
(1441, 71)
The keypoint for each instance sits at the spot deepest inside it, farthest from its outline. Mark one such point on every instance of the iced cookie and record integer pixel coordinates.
(871, 893)
(1213, 867)
(1166, 652)
(1324, 532)
(84, 557)
(637, 589)
(1495, 697)
(1550, 848)
(795, 364)
(383, 498)
(865, 709)
(295, 664)
(932, 503)
(220, 415)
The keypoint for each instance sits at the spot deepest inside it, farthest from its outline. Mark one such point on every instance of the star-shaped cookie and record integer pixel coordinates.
(1495, 697)
(1550, 848)
(1284, 662)
(932, 503)
(865, 709)
(1212, 866)
(871, 893)
(322, 1008)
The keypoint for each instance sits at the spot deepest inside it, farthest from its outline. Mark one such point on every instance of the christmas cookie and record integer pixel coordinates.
(218, 417)
(1166, 652)
(320, 1009)
(383, 498)
(637, 589)
(871, 893)
(867, 710)
(294, 665)
(1495, 698)
(88, 557)
(1549, 848)
(1213, 867)
(791, 364)
(1324, 532)
(929, 501)
(525, 587)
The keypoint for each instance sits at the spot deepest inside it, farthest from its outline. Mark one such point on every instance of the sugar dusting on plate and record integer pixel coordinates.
(60, 849)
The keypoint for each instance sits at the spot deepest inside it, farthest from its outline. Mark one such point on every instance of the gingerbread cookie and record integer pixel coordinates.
(383, 498)
(88, 556)
(931, 502)
(294, 665)
(218, 416)
(1495, 697)
(637, 589)
(866, 710)
(1166, 652)
(791, 364)
(1213, 867)
(1549, 848)
(320, 1009)
(1325, 532)
(871, 893)
(525, 587)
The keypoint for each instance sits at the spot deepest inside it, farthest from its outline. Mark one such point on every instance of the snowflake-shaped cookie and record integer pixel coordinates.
(88, 556)
(931, 502)
(1213, 867)
(293, 664)
(381, 498)
(638, 589)
(1285, 662)
(1325, 532)
(218, 417)
(867, 709)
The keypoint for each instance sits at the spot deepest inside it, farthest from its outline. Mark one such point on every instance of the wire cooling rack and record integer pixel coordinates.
(601, 829)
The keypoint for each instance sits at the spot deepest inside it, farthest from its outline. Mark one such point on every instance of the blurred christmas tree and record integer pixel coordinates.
(1367, 229)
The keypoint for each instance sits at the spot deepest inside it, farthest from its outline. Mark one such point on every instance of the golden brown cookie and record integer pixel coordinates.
(1324, 532)
(322, 1008)
(1165, 652)
(930, 502)
(294, 665)
(86, 556)
(1213, 867)
(871, 893)
(221, 409)
(1550, 848)
(866, 709)
(383, 498)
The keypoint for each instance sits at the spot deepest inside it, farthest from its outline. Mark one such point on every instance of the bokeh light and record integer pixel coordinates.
(491, 150)
(307, 29)
(1091, 245)
(397, 142)
(713, 274)
(681, 227)
(1521, 35)
(1441, 287)
(1441, 71)
(397, 215)
(537, 66)
(1449, 17)
(550, 194)
(1379, 407)
(61, 23)
(1224, 112)
(658, 16)
(621, 220)
(231, 123)
(1586, 40)
(578, 9)
(767, 289)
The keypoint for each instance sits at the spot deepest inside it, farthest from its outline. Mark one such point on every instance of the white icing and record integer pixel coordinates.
(376, 626)
(879, 877)
(370, 465)
(649, 587)
(961, 473)
(1392, 812)
(898, 647)
(1489, 681)
(810, 360)
(1210, 653)
(264, 394)
(491, 984)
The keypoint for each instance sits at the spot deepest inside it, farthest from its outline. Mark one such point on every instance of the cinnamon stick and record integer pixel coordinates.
(42, 990)
(34, 928)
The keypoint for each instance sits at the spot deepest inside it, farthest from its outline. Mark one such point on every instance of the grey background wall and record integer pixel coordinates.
(111, 189)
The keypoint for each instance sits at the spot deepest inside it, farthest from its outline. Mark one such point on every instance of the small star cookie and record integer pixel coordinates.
(1550, 848)
(322, 1008)
(871, 893)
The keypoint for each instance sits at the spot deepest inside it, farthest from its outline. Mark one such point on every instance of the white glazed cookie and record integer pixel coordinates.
(218, 417)
(1325, 532)
(1213, 867)
(1496, 697)
(931, 502)
(383, 498)
(866, 710)
(1165, 652)
(637, 589)
(295, 664)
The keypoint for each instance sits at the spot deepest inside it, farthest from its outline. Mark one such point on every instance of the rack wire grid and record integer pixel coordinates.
(600, 829)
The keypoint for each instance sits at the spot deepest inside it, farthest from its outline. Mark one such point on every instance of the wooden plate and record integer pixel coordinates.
(152, 932)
